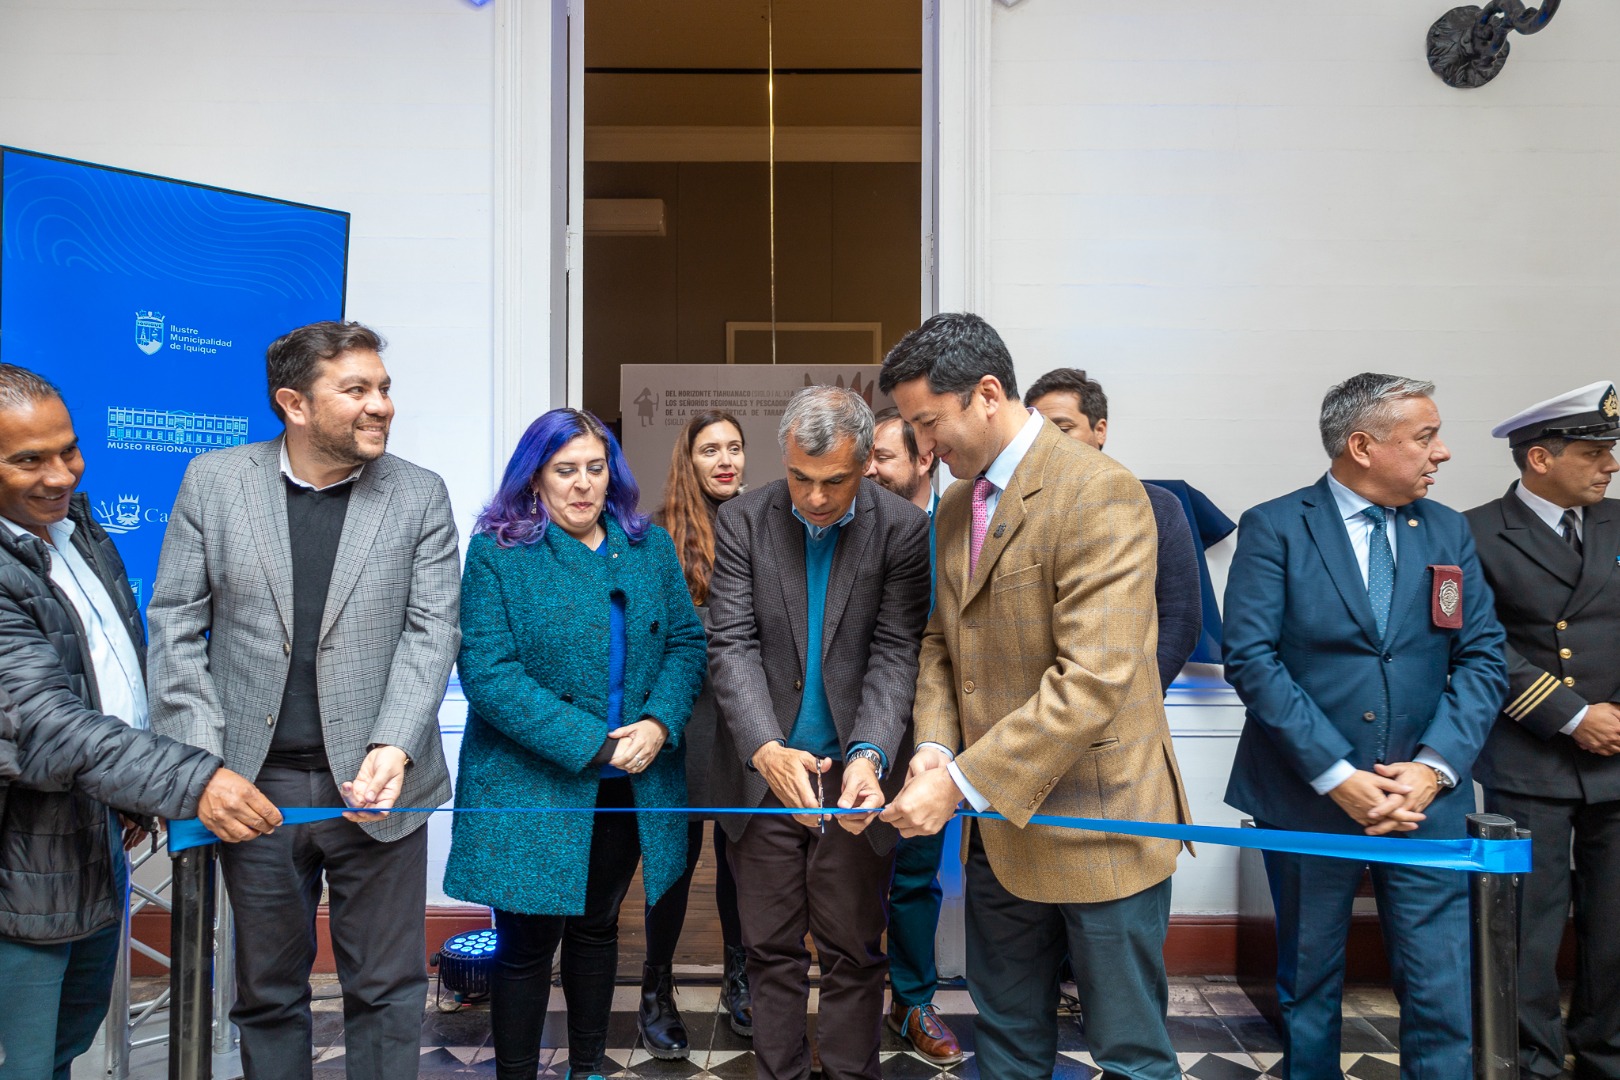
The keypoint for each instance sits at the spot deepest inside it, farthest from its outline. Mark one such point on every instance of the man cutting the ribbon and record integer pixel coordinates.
(1361, 637)
(818, 598)
(1038, 692)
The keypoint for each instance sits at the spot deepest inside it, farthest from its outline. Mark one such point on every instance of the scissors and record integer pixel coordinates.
(821, 801)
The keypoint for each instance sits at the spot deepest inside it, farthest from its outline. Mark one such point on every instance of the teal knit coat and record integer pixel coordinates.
(534, 666)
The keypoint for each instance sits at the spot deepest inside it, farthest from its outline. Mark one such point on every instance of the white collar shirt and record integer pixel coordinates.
(286, 470)
(1550, 512)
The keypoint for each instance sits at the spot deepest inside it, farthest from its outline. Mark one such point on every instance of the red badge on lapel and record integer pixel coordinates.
(1446, 605)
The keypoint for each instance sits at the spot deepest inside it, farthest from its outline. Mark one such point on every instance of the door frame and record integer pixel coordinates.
(540, 187)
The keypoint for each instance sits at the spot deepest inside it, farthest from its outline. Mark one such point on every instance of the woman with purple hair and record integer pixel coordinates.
(581, 655)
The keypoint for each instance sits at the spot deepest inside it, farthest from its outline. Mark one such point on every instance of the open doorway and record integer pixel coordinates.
(683, 197)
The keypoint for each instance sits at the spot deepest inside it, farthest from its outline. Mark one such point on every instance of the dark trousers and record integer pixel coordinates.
(525, 945)
(378, 896)
(56, 996)
(792, 881)
(914, 902)
(663, 921)
(1014, 949)
(1424, 914)
(1593, 830)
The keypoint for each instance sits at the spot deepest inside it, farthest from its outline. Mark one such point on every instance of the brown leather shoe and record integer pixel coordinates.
(921, 1026)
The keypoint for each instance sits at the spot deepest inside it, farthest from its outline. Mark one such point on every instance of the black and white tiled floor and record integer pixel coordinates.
(1217, 1033)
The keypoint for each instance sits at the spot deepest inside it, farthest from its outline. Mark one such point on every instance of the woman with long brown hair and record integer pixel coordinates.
(705, 470)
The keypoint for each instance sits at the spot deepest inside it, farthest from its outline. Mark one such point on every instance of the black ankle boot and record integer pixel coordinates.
(662, 1031)
(734, 996)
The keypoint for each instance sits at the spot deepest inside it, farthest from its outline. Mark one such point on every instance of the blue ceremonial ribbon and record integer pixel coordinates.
(1484, 856)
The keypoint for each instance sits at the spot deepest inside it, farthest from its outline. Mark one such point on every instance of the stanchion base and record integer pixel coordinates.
(152, 1063)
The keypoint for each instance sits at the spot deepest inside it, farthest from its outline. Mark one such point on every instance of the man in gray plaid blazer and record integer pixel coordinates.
(817, 606)
(304, 624)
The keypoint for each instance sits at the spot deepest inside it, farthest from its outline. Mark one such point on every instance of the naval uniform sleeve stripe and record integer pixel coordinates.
(1541, 695)
(1517, 707)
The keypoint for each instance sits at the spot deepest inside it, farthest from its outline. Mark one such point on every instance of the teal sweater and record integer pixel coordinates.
(814, 729)
(534, 666)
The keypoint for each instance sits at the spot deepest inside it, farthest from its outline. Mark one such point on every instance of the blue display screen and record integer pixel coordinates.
(150, 302)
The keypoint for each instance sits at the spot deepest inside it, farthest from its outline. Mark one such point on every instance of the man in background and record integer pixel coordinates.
(1037, 692)
(1361, 637)
(80, 776)
(914, 894)
(1079, 408)
(304, 625)
(817, 602)
(1549, 549)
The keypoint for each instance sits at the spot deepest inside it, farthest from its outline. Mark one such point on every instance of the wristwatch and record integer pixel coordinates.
(870, 755)
(1445, 782)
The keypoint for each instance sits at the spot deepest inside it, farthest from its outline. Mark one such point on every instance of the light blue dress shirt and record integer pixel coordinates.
(1360, 530)
(113, 659)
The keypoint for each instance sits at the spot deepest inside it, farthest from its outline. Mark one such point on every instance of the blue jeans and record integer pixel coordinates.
(56, 997)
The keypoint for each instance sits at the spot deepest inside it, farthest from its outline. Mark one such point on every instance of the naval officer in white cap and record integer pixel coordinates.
(1549, 549)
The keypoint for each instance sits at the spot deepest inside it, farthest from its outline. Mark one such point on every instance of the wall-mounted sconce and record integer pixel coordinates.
(1469, 45)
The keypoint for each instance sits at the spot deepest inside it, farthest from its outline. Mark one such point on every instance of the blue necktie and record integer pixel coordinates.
(1380, 569)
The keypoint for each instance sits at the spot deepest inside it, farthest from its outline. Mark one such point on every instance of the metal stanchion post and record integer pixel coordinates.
(224, 973)
(191, 1036)
(1493, 903)
(117, 1022)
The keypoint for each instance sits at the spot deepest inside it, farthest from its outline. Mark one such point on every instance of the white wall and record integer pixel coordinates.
(1221, 210)
(383, 108)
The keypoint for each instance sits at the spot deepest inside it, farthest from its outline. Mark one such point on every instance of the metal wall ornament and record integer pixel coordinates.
(1469, 45)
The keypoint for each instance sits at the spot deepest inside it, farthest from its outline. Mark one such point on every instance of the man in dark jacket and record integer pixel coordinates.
(1079, 408)
(74, 650)
(1550, 548)
(816, 609)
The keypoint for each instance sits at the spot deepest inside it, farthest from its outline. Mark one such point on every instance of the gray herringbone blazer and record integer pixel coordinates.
(221, 619)
(877, 603)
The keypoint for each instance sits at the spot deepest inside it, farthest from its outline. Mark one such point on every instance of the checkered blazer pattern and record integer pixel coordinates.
(222, 609)
(877, 602)
(1042, 670)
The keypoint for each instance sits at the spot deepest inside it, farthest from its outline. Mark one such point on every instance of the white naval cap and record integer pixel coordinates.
(1591, 413)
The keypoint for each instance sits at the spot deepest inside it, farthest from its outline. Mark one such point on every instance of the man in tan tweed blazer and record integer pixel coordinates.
(1038, 693)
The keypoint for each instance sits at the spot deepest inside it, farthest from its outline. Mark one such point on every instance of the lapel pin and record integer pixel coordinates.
(1001, 529)
(1412, 522)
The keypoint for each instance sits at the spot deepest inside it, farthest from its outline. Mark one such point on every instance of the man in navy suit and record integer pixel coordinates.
(1363, 641)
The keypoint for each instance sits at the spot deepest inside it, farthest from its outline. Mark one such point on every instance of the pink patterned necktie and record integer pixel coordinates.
(981, 521)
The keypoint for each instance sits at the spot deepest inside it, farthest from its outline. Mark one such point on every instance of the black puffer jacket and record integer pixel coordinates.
(8, 748)
(57, 846)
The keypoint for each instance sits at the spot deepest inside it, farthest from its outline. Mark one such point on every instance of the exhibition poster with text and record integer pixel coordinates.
(150, 302)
